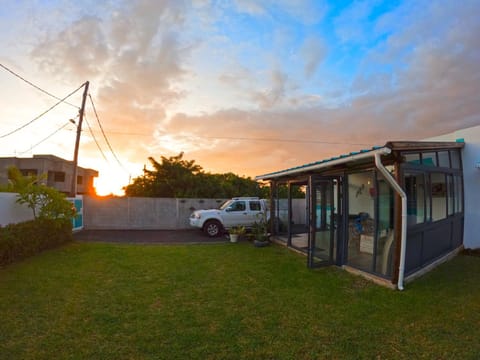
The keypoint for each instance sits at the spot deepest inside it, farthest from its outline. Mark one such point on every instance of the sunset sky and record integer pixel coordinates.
(245, 86)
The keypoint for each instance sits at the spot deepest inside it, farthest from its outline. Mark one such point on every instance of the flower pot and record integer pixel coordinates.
(258, 243)
(233, 238)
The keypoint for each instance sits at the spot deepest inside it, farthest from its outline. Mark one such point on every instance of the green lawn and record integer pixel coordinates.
(228, 301)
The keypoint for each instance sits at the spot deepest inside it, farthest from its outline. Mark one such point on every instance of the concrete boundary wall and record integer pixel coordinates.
(136, 213)
(11, 212)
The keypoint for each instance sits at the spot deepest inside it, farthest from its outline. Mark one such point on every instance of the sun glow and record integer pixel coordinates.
(111, 183)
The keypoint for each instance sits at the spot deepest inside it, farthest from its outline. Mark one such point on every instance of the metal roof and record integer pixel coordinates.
(354, 155)
(365, 153)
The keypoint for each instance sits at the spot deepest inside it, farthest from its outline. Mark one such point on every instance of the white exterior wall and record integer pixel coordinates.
(471, 177)
(11, 212)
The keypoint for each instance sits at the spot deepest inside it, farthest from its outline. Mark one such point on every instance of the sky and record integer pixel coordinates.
(242, 86)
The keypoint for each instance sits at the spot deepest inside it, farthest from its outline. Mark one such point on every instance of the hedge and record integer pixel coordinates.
(19, 241)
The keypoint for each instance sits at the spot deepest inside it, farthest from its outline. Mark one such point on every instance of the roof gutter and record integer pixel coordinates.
(343, 160)
(403, 196)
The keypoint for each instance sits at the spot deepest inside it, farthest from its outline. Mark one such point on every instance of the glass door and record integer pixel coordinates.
(323, 227)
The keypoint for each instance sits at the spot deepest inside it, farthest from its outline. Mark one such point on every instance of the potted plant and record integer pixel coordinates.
(260, 232)
(235, 232)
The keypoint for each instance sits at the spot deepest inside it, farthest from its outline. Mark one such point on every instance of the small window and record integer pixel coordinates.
(237, 206)
(455, 157)
(79, 180)
(429, 159)
(458, 194)
(451, 194)
(59, 176)
(255, 206)
(413, 158)
(29, 172)
(443, 159)
(415, 190)
(439, 196)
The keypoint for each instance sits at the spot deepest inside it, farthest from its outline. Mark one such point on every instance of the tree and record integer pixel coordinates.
(175, 177)
(46, 202)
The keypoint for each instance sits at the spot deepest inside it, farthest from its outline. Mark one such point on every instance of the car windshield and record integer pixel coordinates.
(226, 204)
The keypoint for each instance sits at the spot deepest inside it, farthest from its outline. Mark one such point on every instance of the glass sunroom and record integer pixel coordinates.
(390, 213)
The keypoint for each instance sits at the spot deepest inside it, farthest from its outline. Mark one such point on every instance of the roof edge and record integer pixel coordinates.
(384, 150)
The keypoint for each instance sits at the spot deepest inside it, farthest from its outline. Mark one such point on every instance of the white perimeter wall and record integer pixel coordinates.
(137, 213)
(471, 176)
(11, 212)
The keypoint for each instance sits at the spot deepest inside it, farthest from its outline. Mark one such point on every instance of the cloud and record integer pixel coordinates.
(276, 92)
(421, 78)
(134, 59)
(80, 49)
(313, 52)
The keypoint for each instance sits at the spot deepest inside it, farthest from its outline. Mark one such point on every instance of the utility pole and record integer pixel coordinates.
(73, 189)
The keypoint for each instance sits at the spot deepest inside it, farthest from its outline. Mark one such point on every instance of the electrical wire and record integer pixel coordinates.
(36, 86)
(45, 139)
(303, 141)
(95, 139)
(105, 136)
(43, 113)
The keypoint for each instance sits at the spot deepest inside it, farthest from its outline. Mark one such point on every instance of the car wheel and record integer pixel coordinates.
(212, 228)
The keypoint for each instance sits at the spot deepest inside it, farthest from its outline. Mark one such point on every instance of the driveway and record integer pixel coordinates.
(148, 236)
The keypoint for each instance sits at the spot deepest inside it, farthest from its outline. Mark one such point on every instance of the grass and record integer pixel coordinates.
(228, 301)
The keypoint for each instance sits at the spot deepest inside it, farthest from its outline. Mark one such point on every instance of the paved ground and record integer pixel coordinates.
(148, 236)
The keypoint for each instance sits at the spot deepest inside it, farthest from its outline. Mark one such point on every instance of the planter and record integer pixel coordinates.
(258, 243)
(234, 238)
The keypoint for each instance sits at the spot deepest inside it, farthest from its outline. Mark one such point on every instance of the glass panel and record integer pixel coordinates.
(439, 196)
(281, 212)
(412, 158)
(451, 194)
(361, 221)
(385, 234)
(458, 194)
(415, 190)
(428, 200)
(299, 218)
(443, 159)
(455, 157)
(255, 206)
(429, 159)
(325, 207)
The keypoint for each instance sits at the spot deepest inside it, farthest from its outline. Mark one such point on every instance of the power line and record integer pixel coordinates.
(35, 86)
(45, 139)
(95, 139)
(105, 136)
(304, 141)
(39, 116)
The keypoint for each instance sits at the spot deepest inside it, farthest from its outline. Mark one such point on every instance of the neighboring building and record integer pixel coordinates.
(58, 172)
(390, 212)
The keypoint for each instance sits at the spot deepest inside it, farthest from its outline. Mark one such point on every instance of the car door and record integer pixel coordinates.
(255, 212)
(236, 214)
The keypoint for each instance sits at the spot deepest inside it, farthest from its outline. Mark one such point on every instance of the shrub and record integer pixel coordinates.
(18, 241)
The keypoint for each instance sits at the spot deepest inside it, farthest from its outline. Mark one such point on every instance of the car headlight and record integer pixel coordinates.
(196, 216)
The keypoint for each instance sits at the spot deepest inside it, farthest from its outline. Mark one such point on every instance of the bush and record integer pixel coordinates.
(18, 241)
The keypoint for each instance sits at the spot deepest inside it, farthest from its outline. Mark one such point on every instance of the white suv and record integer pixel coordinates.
(241, 211)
